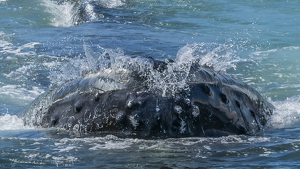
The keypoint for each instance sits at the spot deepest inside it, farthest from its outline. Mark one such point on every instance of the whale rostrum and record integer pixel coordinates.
(211, 104)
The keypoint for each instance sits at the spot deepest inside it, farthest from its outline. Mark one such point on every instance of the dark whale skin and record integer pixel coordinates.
(207, 111)
(215, 105)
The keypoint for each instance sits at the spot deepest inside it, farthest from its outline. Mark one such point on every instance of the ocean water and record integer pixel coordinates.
(48, 42)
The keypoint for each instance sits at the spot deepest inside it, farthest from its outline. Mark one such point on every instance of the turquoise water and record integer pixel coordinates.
(255, 41)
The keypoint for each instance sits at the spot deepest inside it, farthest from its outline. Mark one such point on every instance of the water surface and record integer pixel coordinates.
(256, 41)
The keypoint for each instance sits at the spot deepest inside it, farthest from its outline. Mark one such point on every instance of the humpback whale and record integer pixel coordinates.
(211, 103)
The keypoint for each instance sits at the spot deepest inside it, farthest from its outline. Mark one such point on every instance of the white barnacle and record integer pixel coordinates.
(187, 101)
(76, 127)
(129, 103)
(70, 121)
(133, 121)
(87, 116)
(196, 111)
(157, 109)
(177, 109)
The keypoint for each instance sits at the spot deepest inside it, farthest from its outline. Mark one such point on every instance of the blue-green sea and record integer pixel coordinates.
(255, 41)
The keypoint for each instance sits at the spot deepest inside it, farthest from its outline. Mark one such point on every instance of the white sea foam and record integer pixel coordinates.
(112, 3)
(19, 92)
(65, 149)
(112, 142)
(112, 145)
(61, 161)
(4, 44)
(276, 50)
(8, 47)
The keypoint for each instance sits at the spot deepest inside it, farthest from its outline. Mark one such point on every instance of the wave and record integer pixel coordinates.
(69, 13)
(258, 54)
(275, 70)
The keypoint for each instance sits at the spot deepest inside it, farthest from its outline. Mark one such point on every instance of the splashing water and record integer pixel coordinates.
(114, 64)
(221, 57)
(12, 122)
(286, 113)
(217, 56)
(62, 14)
